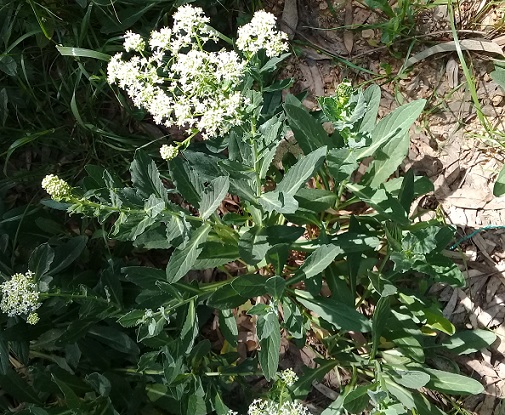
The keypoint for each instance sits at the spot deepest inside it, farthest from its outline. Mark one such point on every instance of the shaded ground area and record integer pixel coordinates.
(417, 59)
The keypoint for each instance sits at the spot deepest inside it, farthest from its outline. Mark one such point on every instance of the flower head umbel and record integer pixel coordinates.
(133, 42)
(168, 152)
(288, 376)
(20, 296)
(261, 33)
(268, 407)
(57, 188)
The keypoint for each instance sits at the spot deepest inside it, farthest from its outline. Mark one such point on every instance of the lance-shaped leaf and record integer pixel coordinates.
(182, 260)
(146, 177)
(213, 197)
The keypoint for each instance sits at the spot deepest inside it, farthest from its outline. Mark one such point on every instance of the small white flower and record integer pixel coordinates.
(288, 376)
(133, 42)
(20, 296)
(33, 318)
(160, 39)
(261, 33)
(269, 407)
(57, 188)
(168, 152)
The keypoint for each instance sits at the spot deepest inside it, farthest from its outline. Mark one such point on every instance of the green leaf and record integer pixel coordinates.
(303, 385)
(4, 355)
(115, 339)
(342, 163)
(275, 286)
(499, 186)
(213, 196)
(145, 277)
(301, 172)
(425, 407)
(68, 252)
(131, 318)
(372, 97)
(498, 75)
(99, 383)
(412, 379)
(237, 292)
(309, 133)
(189, 330)
(469, 341)
(186, 181)
(357, 400)
(71, 399)
(386, 160)
(228, 326)
(341, 316)
(452, 383)
(396, 123)
(8, 65)
(182, 260)
(269, 334)
(407, 191)
(146, 177)
(400, 393)
(275, 201)
(81, 52)
(317, 262)
(40, 260)
(385, 205)
(315, 200)
(379, 321)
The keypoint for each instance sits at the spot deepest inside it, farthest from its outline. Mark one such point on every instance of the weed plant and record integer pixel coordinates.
(103, 312)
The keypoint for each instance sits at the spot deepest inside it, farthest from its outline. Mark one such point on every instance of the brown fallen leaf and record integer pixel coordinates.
(289, 20)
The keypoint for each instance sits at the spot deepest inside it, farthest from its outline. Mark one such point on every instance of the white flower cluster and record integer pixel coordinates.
(168, 152)
(180, 83)
(288, 376)
(269, 407)
(57, 188)
(20, 296)
(261, 33)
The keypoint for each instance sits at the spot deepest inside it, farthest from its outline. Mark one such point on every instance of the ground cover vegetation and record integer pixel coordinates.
(104, 310)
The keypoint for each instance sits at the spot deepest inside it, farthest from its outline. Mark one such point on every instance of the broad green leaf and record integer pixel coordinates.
(303, 385)
(186, 181)
(228, 326)
(237, 292)
(146, 177)
(189, 329)
(399, 392)
(407, 190)
(357, 400)
(131, 318)
(276, 201)
(68, 252)
(182, 260)
(386, 160)
(342, 163)
(425, 407)
(293, 319)
(215, 254)
(452, 383)
(385, 205)
(253, 245)
(316, 262)
(301, 172)
(372, 97)
(499, 186)
(412, 379)
(309, 133)
(469, 341)
(212, 197)
(40, 260)
(145, 277)
(275, 286)
(315, 200)
(341, 316)
(114, 338)
(396, 123)
(99, 383)
(71, 399)
(269, 334)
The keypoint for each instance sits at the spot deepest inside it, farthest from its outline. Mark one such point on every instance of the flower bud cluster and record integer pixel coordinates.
(20, 296)
(288, 376)
(57, 188)
(168, 152)
(181, 83)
